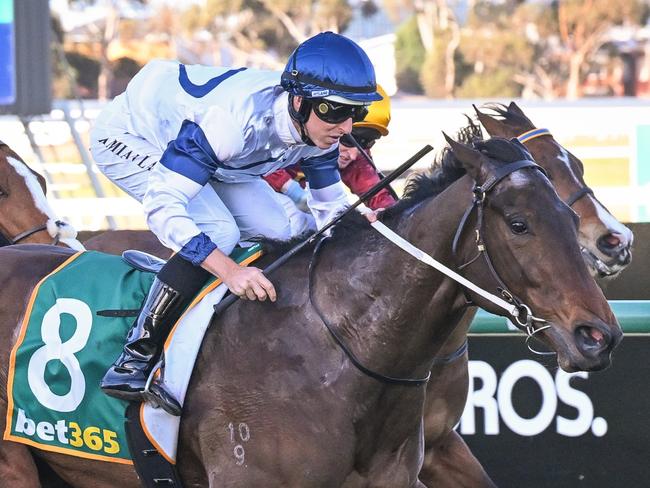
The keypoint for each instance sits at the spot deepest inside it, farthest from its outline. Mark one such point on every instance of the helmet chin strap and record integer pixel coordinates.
(301, 116)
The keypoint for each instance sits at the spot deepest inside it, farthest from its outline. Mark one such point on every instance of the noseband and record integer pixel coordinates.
(524, 320)
(8, 241)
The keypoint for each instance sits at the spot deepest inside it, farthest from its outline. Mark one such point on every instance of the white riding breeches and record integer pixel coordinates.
(226, 212)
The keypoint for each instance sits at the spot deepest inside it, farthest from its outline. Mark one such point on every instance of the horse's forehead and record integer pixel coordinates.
(525, 183)
(521, 179)
(559, 155)
(565, 158)
(32, 184)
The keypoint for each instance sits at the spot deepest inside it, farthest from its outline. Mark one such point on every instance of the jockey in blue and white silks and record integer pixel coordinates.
(191, 143)
(207, 123)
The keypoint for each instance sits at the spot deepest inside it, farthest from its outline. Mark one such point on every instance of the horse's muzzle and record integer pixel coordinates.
(596, 341)
(609, 268)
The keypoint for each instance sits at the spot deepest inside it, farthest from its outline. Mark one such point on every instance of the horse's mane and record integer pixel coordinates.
(276, 248)
(444, 170)
(503, 150)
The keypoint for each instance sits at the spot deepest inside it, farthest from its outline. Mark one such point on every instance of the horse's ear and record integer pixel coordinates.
(514, 108)
(470, 158)
(493, 126)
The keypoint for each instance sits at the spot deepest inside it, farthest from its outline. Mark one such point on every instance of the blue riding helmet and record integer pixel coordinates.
(333, 67)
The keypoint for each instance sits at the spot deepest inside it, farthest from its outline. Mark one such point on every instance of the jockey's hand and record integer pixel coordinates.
(250, 283)
(245, 282)
(372, 215)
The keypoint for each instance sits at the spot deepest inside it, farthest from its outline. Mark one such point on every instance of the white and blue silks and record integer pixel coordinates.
(214, 132)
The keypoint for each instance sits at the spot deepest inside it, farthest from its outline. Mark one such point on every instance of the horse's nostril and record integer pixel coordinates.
(610, 241)
(626, 257)
(591, 340)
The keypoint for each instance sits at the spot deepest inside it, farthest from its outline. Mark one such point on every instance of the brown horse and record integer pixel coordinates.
(118, 241)
(314, 418)
(606, 248)
(26, 214)
(606, 243)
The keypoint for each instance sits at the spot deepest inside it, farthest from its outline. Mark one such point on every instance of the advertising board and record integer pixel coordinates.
(532, 425)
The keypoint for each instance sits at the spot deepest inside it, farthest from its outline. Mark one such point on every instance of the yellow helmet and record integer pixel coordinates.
(378, 116)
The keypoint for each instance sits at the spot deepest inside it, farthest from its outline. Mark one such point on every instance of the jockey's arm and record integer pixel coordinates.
(185, 167)
(360, 176)
(327, 195)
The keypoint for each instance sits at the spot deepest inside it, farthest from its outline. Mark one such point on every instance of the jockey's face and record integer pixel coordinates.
(347, 155)
(348, 151)
(322, 133)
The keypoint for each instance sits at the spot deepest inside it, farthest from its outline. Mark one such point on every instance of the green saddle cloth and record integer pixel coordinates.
(65, 347)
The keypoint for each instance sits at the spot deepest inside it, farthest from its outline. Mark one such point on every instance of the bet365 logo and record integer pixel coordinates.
(494, 397)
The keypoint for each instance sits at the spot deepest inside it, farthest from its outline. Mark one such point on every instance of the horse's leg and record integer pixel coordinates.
(17, 468)
(49, 478)
(450, 463)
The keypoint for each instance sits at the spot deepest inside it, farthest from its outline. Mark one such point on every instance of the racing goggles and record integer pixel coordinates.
(366, 138)
(335, 113)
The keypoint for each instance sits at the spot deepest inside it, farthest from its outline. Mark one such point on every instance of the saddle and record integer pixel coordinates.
(143, 261)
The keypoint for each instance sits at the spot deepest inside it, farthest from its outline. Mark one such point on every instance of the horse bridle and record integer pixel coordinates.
(525, 320)
(8, 241)
(601, 267)
(527, 324)
(580, 192)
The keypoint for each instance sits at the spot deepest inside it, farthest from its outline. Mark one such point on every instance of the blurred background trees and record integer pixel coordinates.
(443, 48)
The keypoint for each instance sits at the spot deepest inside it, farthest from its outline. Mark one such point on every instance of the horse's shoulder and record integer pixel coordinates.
(32, 258)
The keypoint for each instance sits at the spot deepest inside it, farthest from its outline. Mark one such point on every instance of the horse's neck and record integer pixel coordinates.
(445, 316)
(398, 311)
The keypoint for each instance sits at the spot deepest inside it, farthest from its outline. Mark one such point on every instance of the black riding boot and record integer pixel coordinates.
(127, 376)
(171, 292)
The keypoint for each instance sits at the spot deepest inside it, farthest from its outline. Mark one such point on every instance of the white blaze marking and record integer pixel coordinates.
(33, 186)
(519, 178)
(41, 203)
(608, 220)
(564, 157)
(612, 224)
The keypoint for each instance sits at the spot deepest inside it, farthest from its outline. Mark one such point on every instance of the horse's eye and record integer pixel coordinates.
(518, 227)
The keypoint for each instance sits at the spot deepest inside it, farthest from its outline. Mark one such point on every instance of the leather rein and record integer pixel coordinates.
(522, 314)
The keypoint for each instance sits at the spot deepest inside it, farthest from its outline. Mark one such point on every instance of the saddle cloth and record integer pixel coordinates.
(65, 346)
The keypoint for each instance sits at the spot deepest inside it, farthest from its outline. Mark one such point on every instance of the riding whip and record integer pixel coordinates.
(232, 298)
